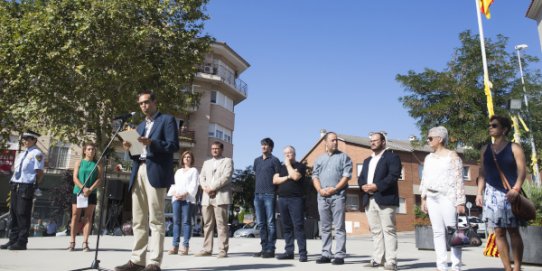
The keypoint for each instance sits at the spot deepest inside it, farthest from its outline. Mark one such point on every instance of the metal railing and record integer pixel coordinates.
(227, 76)
(188, 136)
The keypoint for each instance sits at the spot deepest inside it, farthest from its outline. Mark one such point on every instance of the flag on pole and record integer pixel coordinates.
(489, 98)
(484, 7)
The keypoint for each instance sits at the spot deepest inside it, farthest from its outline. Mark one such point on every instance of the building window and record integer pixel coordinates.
(59, 157)
(220, 99)
(402, 177)
(220, 132)
(352, 202)
(213, 97)
(420, 171)
(466, 173)
(402, 206)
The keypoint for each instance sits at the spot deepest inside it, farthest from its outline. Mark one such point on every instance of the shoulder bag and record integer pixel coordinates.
(522, 207)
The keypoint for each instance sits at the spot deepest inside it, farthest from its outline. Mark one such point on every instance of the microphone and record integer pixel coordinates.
(124, 117)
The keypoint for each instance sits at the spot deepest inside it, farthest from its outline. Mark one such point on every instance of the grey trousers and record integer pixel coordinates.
(331, 211)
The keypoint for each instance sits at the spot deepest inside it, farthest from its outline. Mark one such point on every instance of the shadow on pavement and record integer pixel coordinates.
(235, 267)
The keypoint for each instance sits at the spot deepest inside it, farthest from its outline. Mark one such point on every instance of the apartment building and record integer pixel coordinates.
(412, 157)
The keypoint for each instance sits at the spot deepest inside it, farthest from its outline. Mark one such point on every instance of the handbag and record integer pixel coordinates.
(490, 250)
(463, 236)
(522, 207)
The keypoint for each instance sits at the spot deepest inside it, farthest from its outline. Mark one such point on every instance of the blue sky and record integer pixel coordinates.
(332, 64)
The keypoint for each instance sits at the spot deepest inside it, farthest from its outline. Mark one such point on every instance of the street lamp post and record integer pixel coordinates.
(536, 172)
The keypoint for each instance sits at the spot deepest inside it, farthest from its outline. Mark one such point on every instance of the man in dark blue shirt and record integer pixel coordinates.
(265, 167)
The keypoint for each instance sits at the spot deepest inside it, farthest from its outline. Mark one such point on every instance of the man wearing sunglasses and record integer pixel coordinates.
(152, 175)
(380, 197)
(28, 173)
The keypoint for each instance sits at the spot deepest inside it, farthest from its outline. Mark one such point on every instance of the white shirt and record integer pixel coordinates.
(186, 181)
(372, 166)
(443, 175)
(28, 165)
(149, 122)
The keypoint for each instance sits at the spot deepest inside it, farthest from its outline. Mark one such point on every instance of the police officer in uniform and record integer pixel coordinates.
(28, 173)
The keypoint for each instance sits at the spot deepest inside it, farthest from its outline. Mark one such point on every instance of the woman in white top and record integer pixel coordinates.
(183, 196)
(443, 194)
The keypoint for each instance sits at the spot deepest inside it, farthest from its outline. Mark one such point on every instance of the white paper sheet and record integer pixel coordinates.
(82, 201)
(132, 136)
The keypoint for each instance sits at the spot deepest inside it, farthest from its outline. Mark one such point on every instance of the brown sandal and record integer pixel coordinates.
(85, 247)
(173, 251)
(71, 247)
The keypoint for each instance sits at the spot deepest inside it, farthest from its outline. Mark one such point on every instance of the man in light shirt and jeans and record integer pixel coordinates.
(330, 176)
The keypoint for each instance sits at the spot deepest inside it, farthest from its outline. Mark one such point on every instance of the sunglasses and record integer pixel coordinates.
(494, 125)
(430, 138)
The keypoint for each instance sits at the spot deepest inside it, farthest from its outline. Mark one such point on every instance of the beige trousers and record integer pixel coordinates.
(382, 223)
(147, 212)
(215, 215)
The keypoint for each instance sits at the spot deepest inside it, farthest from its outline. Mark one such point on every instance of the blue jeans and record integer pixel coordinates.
(265, 219)
(293, 224)
(182, 212)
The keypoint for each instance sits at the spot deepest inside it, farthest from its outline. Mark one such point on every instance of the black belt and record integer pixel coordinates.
(17, 185)
(142, 161)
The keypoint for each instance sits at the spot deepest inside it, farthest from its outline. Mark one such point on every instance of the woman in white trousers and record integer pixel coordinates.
(443, 194)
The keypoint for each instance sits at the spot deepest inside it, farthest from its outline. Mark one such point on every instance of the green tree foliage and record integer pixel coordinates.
(68, 66)
(244, 181)
(455, 97)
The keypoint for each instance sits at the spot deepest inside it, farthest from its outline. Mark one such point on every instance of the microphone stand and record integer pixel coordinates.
(96, 263)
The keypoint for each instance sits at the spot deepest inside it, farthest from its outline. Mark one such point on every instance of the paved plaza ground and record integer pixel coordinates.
(49, 253)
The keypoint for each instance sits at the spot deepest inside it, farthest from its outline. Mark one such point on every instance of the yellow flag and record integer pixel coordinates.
(484, 7)
(489, 98)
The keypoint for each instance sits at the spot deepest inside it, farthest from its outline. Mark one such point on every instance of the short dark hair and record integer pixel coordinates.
(327, 134)
(268, 141)
(219, 144)
(149, 92)
(505, 122)
(381, 134)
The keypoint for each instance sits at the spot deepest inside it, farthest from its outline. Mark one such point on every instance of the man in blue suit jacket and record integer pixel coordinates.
(152, 174)
(380, 197)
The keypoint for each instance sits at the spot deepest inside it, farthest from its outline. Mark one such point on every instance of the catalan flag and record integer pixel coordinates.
(484, 7)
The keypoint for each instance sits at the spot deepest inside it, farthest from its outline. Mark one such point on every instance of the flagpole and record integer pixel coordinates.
(482, 41)
(487, 83)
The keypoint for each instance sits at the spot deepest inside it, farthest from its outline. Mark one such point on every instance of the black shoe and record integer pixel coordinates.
(285, 256)
(338, 261)
(303, 259)
(130, 266)
(17, 246)
(323, 259)
(257, 254)
(5, 246)
(268, 254)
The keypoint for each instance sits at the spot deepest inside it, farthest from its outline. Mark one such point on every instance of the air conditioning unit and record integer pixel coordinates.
(208, 69)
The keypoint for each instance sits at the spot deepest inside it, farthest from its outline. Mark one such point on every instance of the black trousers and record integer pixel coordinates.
(20, 212)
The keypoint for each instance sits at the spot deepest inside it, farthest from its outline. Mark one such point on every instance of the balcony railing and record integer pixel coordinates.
(227, 77)
(187, 136)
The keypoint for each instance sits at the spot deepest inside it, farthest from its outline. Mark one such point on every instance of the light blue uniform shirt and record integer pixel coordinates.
(33, 161)
(330, 169)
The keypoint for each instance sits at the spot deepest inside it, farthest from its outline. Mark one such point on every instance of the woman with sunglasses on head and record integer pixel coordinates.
(443, 194)
(84, 171)
(493, 196)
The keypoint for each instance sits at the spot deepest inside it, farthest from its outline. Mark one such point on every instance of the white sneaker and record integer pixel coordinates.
(390, 266)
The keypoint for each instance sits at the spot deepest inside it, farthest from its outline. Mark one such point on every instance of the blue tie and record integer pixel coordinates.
(19, 172)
